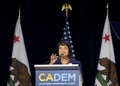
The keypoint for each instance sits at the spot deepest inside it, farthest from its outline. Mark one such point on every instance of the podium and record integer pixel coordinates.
(57, 75)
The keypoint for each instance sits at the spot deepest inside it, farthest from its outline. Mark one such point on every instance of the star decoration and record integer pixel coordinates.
(106, 37)
(67, 37)
(16, 39)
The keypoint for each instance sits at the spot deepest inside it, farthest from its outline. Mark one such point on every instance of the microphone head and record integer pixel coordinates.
(61, 55)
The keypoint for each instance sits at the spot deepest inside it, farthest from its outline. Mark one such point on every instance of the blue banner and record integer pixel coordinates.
(57, 78)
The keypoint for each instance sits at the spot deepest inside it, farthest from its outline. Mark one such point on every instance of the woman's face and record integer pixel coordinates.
(63, 50)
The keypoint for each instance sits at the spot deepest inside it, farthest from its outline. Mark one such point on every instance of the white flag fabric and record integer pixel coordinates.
(107, 73)
(20, 74)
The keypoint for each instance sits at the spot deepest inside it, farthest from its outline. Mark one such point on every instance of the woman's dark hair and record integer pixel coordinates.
(64, 43)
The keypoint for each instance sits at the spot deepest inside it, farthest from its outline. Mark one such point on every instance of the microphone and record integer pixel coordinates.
(61, 55)
(58, 57)
(47, 62)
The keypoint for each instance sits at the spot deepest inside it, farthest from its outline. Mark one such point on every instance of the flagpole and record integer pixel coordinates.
(107, 7)
(66, 31)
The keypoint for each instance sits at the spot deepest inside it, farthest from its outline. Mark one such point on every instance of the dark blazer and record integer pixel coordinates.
(73, 61)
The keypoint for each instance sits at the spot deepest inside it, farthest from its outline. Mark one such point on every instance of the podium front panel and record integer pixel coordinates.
(57, 75)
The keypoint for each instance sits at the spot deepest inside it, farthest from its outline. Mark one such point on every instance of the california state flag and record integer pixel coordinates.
(107, 73)
(20, 74)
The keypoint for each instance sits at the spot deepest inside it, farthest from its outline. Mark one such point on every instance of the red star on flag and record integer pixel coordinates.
(106, 37)
(16, 39)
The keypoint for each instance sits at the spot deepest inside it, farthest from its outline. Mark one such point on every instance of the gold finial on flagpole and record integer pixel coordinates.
(66, 7)
(107, 7)
(19, 10)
